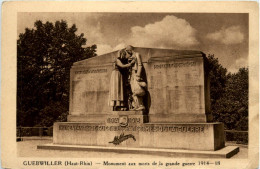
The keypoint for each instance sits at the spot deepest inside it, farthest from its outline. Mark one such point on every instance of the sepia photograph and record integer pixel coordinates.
(160, 86)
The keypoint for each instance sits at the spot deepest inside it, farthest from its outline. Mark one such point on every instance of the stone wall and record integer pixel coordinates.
(178, 87)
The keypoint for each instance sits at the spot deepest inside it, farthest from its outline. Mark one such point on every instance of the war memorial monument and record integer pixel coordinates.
(142, 100)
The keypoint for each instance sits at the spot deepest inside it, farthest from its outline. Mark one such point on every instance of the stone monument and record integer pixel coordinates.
(171, 116)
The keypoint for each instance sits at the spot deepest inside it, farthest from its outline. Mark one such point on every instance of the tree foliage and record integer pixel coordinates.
(45, 55)
(229, 95)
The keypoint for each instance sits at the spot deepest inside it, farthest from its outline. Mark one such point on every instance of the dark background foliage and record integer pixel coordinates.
(229, 95)
(46, 53)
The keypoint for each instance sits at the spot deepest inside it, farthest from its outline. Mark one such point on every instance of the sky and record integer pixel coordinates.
(223, 34)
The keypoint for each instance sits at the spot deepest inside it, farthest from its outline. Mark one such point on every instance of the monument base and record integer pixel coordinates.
(225, 152)
(135, 134)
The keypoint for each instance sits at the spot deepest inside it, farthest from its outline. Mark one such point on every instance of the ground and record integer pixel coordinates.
(28, 148)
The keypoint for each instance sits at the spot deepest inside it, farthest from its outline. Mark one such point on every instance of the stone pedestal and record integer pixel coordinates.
(136, 132)
(186, 136)
(167, 139)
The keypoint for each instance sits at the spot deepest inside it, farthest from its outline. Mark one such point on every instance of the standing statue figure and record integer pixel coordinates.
(117, 93)
(138, 86)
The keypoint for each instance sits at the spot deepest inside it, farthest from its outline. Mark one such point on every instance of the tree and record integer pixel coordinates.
(45, 55)
(229, 95)
(232, 108)
(218, 79)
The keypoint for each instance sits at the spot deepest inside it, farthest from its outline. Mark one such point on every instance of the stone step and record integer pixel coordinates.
(226, 152)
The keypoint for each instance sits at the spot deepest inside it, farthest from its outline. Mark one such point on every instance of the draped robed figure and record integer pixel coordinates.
(116, 92)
